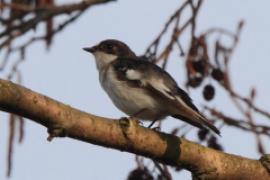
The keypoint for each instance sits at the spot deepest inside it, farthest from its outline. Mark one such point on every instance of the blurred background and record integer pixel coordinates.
(65, 72)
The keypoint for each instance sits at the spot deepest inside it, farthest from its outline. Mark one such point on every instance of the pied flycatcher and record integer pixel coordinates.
(142, 89)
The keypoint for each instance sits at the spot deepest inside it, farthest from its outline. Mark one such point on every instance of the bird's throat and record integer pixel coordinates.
(103, 59)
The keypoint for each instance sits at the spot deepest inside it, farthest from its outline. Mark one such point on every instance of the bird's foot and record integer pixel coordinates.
(56, 131)
(134, 119)
(151, 124)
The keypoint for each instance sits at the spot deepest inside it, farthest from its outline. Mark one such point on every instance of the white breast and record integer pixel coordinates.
(129, 99)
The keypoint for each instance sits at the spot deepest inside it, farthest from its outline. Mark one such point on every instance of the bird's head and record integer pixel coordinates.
(109, 50)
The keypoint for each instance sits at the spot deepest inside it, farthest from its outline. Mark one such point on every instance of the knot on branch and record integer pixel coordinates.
(56, 131)
(128, 126)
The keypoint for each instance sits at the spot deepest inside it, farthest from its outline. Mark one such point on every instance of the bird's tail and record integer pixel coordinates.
(199, 121)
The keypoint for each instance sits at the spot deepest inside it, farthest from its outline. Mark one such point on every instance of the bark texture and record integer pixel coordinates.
(127, 135)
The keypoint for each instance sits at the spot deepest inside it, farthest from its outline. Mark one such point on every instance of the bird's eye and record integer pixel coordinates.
(109, 47)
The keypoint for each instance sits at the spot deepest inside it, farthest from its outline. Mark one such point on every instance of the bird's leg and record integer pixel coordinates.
(133, 116)
(157, 128)
(152, 123)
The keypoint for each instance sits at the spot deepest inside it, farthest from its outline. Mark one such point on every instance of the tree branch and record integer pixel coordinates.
(127, 135)
(42, 14)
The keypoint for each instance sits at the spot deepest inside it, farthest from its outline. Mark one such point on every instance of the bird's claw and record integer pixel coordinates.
(137, 121)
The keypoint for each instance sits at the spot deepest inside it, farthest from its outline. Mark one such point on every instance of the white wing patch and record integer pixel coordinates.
(132, 74)
(161, 87)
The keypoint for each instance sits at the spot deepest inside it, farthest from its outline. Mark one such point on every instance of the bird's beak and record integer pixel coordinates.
(90, 49)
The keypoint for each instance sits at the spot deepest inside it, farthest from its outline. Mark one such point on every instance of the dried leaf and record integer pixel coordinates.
(15, 13)
(208, 92)
(1, 7)
(194, 81)
(140, 174)
(200, 66)
(44, 2)
(21, 128)
(10, 143)
(260, 147)
(217, 74)
(49, 32)
(240, 26)
(253, 93)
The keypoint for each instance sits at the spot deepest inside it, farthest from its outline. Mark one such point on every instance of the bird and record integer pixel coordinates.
(140, 88)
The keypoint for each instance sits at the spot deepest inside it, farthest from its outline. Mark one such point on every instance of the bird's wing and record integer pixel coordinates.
(158, 82)
(150, 76)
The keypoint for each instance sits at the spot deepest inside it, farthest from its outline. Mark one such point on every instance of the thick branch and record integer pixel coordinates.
(126, 135)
